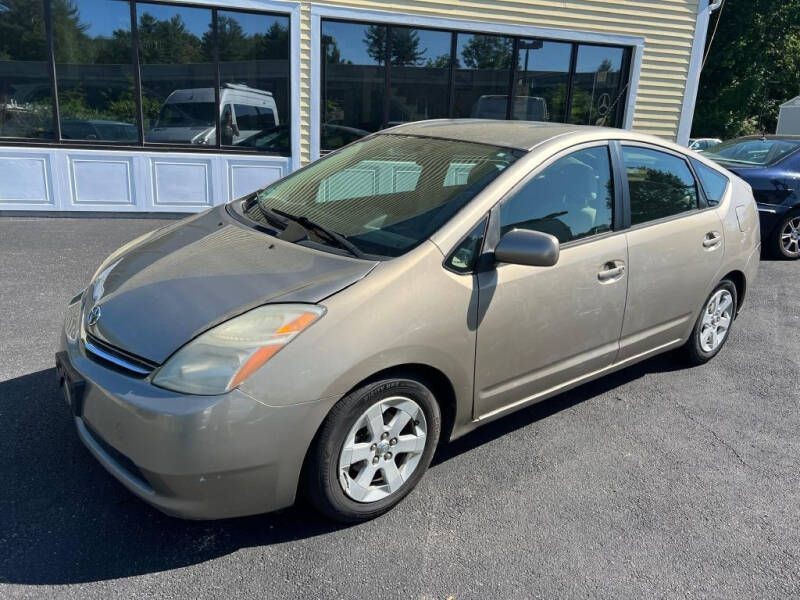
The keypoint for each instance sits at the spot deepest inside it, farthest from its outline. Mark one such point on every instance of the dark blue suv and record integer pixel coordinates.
(771, 165)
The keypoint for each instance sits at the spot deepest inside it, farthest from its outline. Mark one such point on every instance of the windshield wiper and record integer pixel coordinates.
(333, 236)
(273, 217)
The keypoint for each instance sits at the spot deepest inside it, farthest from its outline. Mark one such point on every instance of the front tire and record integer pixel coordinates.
(713, 326)
(786, 239)
(372, 450)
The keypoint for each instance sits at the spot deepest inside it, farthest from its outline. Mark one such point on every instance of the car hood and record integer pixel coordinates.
(195, 274)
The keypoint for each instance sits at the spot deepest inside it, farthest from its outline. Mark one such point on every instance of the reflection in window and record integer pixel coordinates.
(714, 183)
(465, 257)
(176, 49)
(92, 40)
(540, 86)
(254, 72)
(570, 199)
(596, 90)
(483, 72)
(660, 184)
(420, 75)
(26, 109)
(353, 76)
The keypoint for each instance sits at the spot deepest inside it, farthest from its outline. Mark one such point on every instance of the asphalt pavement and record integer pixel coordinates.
(658, 481)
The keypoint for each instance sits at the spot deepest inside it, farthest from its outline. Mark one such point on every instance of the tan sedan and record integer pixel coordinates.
(322, 335)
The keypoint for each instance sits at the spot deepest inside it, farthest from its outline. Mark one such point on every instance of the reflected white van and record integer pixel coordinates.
(187, 116)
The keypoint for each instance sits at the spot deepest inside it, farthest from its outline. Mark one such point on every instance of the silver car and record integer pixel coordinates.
(321, 336)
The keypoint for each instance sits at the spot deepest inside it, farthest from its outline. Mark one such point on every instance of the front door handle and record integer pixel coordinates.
(613, 270)
(712, 240)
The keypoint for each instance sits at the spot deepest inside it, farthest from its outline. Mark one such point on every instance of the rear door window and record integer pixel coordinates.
(661, 184)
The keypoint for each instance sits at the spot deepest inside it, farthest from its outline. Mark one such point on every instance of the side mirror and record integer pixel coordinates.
(526, 247)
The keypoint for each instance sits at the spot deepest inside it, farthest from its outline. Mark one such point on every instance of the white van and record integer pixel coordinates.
(187, 116)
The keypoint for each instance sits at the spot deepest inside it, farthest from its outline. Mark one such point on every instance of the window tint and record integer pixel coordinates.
(483, 71)
(93, 48)
(714, 183)
(661, 184)
(570, 199)
(254, 73)
(464, 257)
(420, 75)
(353, 75)
(540, 86)
(176, 49)
(596, 89)
(26, 107)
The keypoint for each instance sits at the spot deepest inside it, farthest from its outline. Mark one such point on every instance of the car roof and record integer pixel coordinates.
(521, 135)
(776, 136)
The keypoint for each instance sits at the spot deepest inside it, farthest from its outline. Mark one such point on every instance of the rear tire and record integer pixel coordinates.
(372, 449)
(712, 328)
(785, 242)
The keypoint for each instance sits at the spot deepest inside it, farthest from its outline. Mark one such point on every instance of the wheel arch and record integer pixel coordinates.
(739, 280)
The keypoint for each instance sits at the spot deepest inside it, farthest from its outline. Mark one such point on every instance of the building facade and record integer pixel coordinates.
(133, 105)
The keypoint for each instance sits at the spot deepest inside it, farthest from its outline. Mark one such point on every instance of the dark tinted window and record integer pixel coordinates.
(176, 48)
(754, 151)
(570, 199)
(92, 40)
(714, 183)
(483, 73)
(26, 103)
(254, 73)
(464, 257)
(353, 75)
(540, 86)
(388, 193)
(420, 74)
(661, 184)
(596, 89)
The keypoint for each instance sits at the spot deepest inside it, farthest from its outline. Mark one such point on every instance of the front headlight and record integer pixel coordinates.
(223, 357)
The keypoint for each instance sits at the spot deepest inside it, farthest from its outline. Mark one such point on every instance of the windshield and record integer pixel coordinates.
(388, 193)
(753, 151)
(186, 114)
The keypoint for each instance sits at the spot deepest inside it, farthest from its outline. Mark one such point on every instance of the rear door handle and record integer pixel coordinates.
(613, 270)
(712, 239)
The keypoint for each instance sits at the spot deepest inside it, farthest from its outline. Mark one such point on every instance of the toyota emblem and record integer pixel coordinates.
(94, 316)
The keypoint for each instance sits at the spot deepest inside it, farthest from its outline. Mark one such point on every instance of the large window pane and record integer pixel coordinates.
(254, 73)
(660, 184)
(540, 86)
(420, 74)
(597, 97)
(483, 74)
(26, 109)
(176, 49)
(353, 81)
(92, 40)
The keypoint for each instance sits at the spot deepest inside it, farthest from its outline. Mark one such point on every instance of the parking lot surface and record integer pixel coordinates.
(658, 481)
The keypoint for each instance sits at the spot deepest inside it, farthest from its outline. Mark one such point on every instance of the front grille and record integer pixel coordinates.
(119, 360)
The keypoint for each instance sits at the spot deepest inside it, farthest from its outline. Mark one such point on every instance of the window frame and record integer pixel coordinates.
(58, 141)
(702, 203)
(625, 83)
(493, 235)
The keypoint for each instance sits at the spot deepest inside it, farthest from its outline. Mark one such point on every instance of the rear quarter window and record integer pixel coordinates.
(714, 183)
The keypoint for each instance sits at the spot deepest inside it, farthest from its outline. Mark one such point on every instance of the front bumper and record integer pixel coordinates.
(195, 457)
(770, 215)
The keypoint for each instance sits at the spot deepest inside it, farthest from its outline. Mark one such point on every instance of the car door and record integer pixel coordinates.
(542, 327)
(675, 248)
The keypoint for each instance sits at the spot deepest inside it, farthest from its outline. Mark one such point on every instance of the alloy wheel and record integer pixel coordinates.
(382, 449)
(790, 237)
(717, 317)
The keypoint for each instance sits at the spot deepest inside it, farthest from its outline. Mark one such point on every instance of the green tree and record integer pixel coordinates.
(168, 41)
(22, 31)
(752, 68)
(404, 50)
(487, 52)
